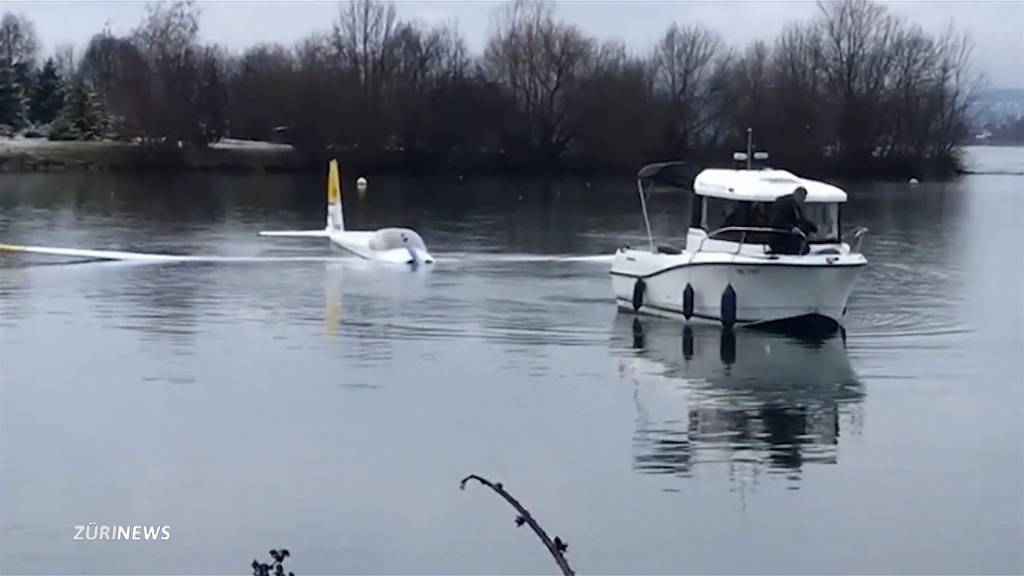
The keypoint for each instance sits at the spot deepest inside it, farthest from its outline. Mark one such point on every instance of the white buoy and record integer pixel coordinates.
(361, 184)
(913, 181)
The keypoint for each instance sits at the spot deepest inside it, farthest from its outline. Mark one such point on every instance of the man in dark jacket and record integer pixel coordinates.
(788, 214)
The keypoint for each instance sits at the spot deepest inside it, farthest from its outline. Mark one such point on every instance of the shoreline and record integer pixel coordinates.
(31, 155)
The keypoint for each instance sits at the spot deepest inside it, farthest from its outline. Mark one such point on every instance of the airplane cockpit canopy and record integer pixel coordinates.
(395, 238)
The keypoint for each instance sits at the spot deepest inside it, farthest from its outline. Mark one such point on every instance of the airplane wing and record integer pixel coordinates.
(297, 233)
(94, 254)
(357, 243)
(121, 256)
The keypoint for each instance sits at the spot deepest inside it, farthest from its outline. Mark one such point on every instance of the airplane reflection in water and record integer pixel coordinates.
(748, 400)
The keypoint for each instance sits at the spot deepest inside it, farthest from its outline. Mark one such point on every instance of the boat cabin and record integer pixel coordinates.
(736, 206)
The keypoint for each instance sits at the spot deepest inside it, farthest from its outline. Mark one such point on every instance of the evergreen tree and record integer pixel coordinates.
(97, 116)
(47, 98)
(82, 117)
(67, 124)
(12, 100)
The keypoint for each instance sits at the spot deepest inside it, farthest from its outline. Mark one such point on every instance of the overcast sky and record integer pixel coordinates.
(996, 26)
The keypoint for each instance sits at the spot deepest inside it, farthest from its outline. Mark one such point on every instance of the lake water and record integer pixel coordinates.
(332, 407)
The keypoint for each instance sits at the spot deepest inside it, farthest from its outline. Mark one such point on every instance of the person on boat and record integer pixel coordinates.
(746, 215)
(788, 214)
(742, 214)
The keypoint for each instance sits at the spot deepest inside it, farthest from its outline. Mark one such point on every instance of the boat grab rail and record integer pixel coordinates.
(858, 237)
(743, 237)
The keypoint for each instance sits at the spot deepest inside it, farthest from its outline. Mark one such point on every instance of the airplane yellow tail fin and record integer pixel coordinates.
(335, 219)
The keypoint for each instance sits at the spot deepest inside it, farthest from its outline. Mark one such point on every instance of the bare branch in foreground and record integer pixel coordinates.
(556, 547)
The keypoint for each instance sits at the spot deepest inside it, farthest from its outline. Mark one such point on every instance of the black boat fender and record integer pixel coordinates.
(638, 294)
(728, 307)
(688, 301)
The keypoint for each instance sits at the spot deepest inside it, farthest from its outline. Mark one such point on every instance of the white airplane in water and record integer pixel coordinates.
(396, 245)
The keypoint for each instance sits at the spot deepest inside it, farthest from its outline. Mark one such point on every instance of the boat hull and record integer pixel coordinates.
(763, 290)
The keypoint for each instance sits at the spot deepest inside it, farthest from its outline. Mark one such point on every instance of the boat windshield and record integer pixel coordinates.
(721, 213)
(825, 216)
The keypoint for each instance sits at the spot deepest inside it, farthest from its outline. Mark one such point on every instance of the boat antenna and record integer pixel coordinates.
(647, 220)
(750, 146)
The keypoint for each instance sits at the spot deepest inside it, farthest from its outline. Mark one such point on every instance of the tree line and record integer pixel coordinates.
(854, 91)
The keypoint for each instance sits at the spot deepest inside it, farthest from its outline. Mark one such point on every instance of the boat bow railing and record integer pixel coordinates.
(858, 238)
(744, 230)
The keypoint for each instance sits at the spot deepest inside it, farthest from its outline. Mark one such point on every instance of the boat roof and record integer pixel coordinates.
(763, 185)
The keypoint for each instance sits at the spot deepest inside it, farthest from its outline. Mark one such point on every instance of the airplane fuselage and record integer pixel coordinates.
(396, 245)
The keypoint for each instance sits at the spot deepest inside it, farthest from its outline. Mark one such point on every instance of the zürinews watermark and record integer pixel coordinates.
(93, 531)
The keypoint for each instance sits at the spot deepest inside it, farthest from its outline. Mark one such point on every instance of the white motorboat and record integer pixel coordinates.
(728, 272)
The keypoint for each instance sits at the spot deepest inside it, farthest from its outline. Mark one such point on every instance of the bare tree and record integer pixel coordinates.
(750, 100)
(167, 37)
(543, 65)
(857, 56)
(801, 123)
(262, 91)
(956, 89)
(691, 70)
(115, 69)
(364, 41)
(417, 55)
(454, 55)
(899, 95)
(18, 42)
(169, 30)
(67, 63)
(212, 94)
(329, 108)
(619, 127)
(915, 57)
(855, 90)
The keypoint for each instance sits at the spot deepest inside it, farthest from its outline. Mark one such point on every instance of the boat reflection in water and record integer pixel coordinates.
(745, 400)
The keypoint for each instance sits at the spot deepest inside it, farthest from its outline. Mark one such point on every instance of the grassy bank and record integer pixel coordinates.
(41, 155)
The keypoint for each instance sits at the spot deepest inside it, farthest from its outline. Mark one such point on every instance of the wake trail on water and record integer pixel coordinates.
(90, 255)
(525, 258)
(995, 172)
